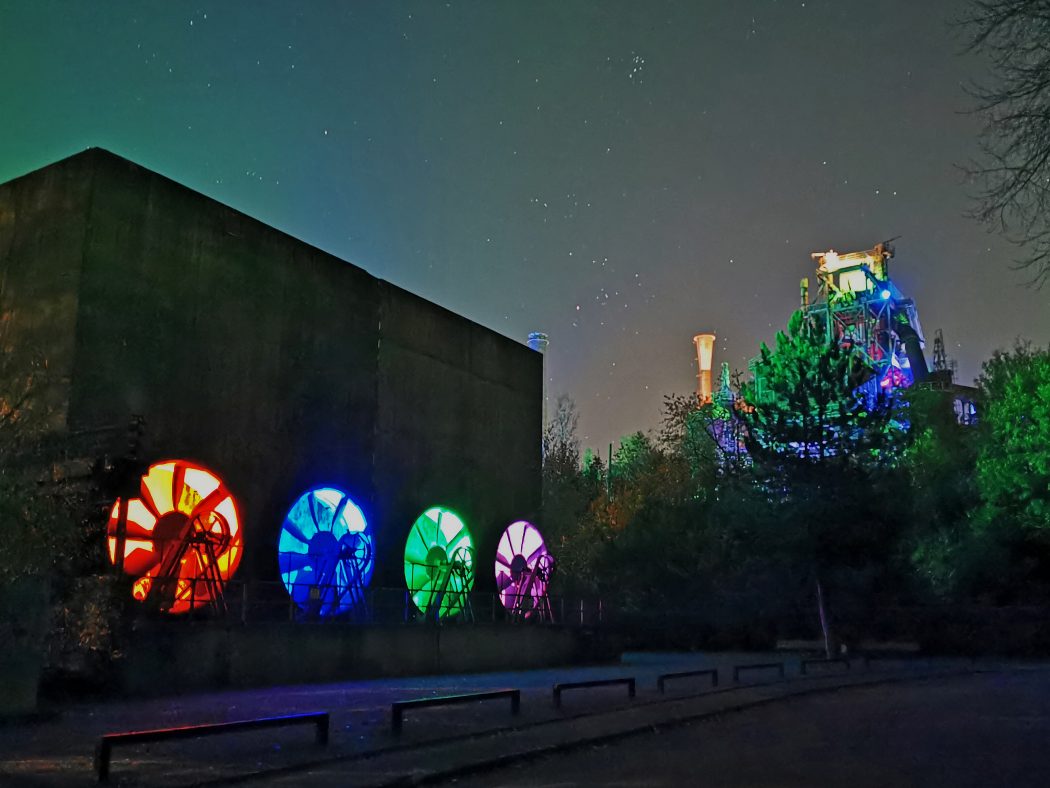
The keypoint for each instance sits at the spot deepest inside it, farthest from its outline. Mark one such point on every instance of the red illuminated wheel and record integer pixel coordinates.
(181, 538)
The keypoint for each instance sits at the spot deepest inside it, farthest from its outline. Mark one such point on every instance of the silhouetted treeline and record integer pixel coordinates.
(840, 507)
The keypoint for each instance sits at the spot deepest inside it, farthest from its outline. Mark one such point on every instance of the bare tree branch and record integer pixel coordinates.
(1013, 177)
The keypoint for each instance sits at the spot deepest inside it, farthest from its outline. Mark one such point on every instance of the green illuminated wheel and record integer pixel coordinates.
(439, 563)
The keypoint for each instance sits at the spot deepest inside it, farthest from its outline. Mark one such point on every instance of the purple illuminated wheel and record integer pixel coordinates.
(523, 571)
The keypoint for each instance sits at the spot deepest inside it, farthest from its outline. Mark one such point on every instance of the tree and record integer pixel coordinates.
(981, 495)
(685, 430)
(1013, 466)
(561, 447)
(819, 442)
(939, 462)
(807, 407)
(1014, 173)
(567, 495)
(637, 533)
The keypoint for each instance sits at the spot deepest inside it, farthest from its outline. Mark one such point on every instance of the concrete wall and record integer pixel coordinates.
(245, 349)
(459, 415)
(25, 617)
(43, 220)
(275, 364)
(166, 658)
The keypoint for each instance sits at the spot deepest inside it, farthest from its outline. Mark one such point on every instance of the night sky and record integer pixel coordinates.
(620, 175)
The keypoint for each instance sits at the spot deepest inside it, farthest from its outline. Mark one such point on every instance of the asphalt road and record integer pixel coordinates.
(978, 730)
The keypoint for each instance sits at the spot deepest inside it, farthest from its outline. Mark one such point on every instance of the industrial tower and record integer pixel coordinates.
(860, 307)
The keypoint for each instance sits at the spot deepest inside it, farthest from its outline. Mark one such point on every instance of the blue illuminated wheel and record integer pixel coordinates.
(325, 553)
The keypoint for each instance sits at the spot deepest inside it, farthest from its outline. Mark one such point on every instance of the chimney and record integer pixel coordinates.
(538, 341)
(705, 348)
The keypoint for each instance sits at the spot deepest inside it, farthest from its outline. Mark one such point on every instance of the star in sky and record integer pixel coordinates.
(619, 175)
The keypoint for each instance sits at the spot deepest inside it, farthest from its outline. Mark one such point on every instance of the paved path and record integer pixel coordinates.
(974, 730)
(614, 728)
(58, 752)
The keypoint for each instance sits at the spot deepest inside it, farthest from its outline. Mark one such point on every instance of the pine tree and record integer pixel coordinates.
(820, 439)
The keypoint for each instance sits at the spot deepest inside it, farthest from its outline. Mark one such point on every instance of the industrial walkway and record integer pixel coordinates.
(435, 742)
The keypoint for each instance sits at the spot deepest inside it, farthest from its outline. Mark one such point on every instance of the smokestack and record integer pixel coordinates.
(705, 348)
(538, 341)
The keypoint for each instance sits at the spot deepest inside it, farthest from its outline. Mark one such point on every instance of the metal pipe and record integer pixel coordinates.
(920, 372)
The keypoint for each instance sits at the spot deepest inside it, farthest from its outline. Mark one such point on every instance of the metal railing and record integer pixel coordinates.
(250, 602)
(398, 708)
(663, 678)
(104, 750)
(777, 666)
(559, 688)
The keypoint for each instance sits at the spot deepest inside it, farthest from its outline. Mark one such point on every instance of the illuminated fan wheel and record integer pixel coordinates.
(181, 537)
(523, 571)
(439, 563)
(325, 553)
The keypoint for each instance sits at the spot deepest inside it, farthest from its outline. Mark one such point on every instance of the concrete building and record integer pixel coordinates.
(273, 363)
